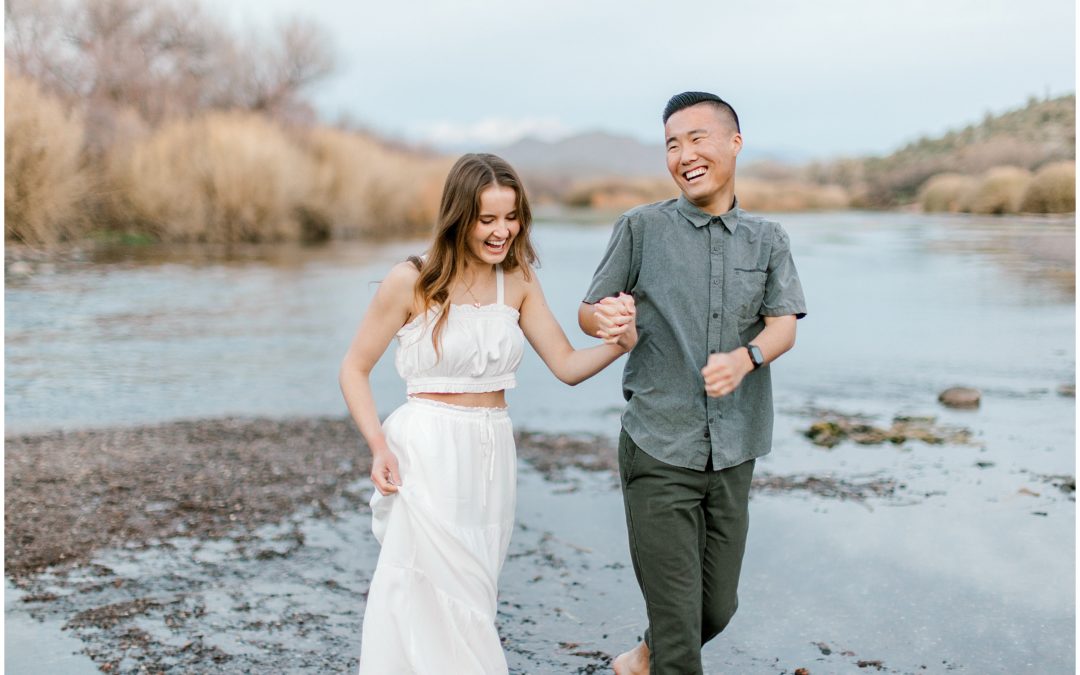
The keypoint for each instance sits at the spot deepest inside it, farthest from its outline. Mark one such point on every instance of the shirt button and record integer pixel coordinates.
(706, 434)
(715, 315)
(710, 420)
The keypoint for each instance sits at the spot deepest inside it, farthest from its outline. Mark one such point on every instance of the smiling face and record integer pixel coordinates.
(496, 226)
(701, 148)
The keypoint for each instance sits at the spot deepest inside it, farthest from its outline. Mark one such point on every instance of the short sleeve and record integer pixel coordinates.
(783, 290)
(614, 275)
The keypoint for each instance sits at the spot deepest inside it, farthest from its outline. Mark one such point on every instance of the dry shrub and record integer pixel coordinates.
(998, 191)
(165, 58)
(946, 192)
(773, 171)
(361, 187)
(762, 195)
(44, 180)
(1043, 131)
(546, 187)
(1052, 190)
(619, 194)
(221, 177)
(1009, 151)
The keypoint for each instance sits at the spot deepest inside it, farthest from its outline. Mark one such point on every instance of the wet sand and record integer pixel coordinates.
(243, 545)
(71, 494)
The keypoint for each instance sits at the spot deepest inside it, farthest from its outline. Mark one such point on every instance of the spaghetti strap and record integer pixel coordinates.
(498, 285)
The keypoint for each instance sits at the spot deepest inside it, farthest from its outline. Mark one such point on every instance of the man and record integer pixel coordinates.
(717, 297)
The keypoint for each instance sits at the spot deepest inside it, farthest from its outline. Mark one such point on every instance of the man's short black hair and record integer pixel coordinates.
(688, 98)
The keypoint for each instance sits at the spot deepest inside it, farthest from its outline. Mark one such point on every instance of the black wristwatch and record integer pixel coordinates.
(755, 356)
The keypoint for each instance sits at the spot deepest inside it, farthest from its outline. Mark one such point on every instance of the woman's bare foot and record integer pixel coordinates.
(633, 662)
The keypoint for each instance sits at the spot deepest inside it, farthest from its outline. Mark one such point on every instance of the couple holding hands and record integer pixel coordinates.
(701, 294)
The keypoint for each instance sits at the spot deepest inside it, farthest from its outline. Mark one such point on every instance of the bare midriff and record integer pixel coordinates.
(486, 399)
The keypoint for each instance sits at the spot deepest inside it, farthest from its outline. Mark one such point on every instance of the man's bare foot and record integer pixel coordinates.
(633, 662)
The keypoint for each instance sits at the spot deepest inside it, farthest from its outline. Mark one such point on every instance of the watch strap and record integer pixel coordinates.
(756, 356)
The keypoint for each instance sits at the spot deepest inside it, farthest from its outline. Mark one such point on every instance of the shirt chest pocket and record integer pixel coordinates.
(747, 292)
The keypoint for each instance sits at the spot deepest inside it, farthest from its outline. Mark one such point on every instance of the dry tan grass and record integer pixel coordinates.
(755, 194)
(946, 192)
(225, 177)
(361, 187)
(220, 177)
(619, 194)
(998, 191)
(44, 180)
(1052, 190)
(786, 195)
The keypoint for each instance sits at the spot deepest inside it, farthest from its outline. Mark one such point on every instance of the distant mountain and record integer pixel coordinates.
(602, 154)
(595, 153)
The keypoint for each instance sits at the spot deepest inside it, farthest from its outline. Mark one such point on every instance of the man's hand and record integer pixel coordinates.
(725, 371)
(616, 319)
(628, 338)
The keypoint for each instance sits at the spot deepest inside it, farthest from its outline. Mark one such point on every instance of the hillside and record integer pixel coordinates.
(1038, 134)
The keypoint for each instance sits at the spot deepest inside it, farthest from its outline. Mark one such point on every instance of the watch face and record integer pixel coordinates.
(755, 355)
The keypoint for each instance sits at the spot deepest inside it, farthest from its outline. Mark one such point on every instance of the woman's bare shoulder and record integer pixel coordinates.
(400, 281)
(522, 274)
(521, 282)
(405, 272)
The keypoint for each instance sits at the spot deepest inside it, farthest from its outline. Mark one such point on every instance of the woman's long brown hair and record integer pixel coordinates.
(458, 212)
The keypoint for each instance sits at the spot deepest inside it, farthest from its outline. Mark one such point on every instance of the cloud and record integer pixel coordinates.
(491, 131)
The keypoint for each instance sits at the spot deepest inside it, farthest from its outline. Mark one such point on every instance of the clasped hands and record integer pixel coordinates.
(616, 321)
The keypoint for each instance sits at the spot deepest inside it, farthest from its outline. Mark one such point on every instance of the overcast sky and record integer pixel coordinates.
(821, 78)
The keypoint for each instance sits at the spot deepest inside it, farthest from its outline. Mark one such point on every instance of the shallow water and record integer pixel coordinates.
(900, 307)
(968, 566)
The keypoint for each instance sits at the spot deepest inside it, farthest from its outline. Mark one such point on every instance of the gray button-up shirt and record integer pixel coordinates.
(701, 284)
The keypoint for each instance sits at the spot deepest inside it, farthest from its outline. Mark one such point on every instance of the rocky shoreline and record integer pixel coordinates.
(236, 544)
(71, 493)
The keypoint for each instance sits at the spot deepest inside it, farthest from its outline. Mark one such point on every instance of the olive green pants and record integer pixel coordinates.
(687, 532)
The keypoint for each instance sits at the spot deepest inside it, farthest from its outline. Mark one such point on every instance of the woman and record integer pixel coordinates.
(444, 462)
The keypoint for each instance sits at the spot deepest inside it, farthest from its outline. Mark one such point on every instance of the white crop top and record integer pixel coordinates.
(480, 349)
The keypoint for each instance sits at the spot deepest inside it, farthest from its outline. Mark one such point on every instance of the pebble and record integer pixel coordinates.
(960, 397)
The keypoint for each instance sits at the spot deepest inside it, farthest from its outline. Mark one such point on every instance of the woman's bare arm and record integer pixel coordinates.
(389, 310)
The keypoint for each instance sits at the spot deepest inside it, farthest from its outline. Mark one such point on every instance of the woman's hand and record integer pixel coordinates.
(616, 317)
(384, 472)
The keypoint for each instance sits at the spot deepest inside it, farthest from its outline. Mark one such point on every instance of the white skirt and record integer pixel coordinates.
(444, 534)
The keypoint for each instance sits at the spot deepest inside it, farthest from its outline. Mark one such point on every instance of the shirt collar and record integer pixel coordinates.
(701, 218)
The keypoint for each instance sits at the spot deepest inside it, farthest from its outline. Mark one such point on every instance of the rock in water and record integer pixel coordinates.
(960, 397)
(1068, 389)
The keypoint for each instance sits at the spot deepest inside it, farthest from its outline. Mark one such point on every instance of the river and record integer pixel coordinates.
(968, 566)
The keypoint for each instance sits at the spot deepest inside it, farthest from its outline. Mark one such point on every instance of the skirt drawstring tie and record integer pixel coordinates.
(488, 450)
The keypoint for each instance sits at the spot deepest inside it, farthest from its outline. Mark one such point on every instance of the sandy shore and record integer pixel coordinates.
(118, 534)
(70, 494)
